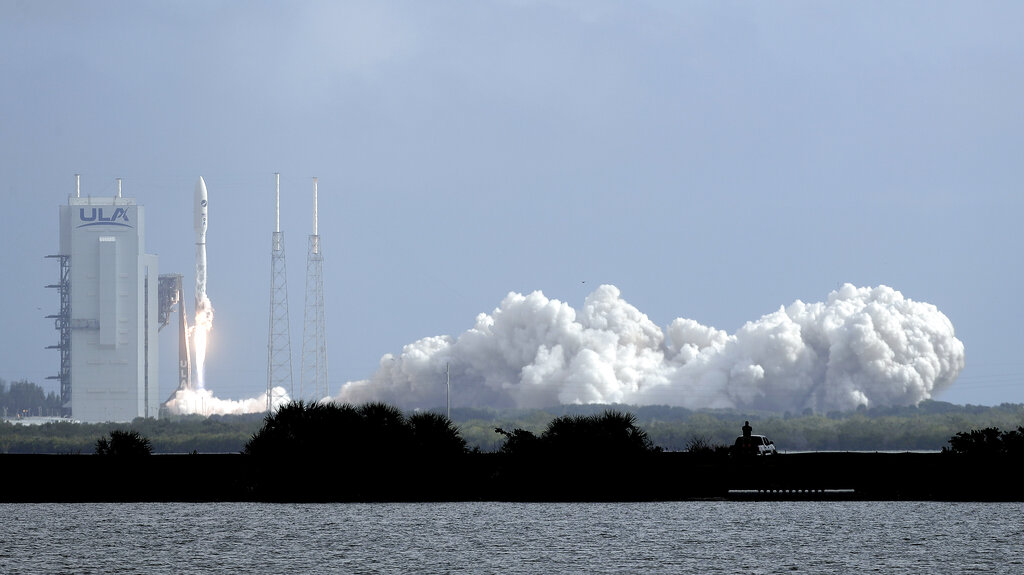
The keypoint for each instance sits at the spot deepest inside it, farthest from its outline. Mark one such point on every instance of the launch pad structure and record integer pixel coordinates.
(62, 323)
(279, 343)
(171, 298)
(314, 332)
(113, 304)
(108, 310)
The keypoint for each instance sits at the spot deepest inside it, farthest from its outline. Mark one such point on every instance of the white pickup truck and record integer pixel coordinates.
(753, 445)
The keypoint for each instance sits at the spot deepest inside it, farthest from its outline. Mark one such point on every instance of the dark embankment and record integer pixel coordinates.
(495, 476)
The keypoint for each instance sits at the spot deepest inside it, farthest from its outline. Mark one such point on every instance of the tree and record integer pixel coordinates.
(518, 442)
(123, 443)
(611, 433)
(305, 429)
(435, 434)
(384, 430)
(988, 441)
(701, 445)
(1013, 442)
(372, 430)
(26, 398)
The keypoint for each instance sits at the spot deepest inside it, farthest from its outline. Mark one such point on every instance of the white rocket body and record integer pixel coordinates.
(200, 227)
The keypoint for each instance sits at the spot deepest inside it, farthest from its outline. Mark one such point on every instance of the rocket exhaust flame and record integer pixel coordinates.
(204, 309)
(200, 334)
(193, 397)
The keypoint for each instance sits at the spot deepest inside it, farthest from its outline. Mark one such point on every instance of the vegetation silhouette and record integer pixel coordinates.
(924, 427)
(518, 442)
(702, 446)
(435, 435)
(123, 443)
(372, 452)
(319, 429)
(590, 457)
(989, 441)
(610, 434)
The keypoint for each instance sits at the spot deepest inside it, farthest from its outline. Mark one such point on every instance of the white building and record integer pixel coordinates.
(113, 310)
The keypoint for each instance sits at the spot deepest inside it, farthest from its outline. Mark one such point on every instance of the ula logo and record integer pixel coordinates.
(97, 217)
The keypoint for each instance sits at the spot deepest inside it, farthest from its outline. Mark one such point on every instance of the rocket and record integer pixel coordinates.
(200, 228)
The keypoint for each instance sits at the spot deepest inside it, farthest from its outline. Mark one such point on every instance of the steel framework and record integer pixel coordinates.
(172, 298)
(314, 330)
(279, 343)
(62, 323)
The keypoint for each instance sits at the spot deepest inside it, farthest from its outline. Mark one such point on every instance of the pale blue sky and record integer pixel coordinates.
(714, 160)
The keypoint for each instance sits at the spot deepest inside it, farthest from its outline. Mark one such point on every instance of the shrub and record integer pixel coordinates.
(610, 433)
(123, 443)
(988, 441)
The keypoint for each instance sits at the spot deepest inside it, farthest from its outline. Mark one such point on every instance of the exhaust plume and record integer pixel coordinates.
(193, 397)
(203, 402)
(204, 310)
(200, 333)
(863, 346)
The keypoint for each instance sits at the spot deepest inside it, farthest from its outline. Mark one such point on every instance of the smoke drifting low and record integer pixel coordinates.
(863, 346)
(203, 402)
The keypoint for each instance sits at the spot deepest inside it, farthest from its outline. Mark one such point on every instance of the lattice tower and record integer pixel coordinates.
(62, 322)
(313, 377)
(279, 343)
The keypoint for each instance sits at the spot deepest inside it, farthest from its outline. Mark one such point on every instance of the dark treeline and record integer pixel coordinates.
(928, 426)
(375, 452)
(176, 434)
(25, 399)
(383, 454)
(988, 442)
(329, 430)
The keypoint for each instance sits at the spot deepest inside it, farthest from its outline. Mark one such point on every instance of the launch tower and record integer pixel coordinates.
(279, 344)
(109, 310)
(313, 378)
(172, 300)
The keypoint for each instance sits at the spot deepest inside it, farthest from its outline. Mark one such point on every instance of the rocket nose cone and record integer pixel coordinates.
(200, 194)
(200, 206)
(200, 188)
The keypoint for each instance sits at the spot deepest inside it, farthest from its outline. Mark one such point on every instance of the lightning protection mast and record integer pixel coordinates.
(279, 344)
(313, 377)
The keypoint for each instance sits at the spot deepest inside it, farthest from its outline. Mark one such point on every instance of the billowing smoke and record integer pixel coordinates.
(863, 346)
(203, 402)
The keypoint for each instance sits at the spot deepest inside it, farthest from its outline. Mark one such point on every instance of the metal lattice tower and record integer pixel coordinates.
(279, 344)
(314, 332)
(62, 322)
(171, 297)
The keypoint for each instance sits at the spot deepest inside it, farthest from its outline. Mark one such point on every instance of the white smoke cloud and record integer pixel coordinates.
(203, 402)
(863, 346)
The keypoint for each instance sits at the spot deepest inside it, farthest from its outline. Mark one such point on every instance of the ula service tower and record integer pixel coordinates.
(109, 311)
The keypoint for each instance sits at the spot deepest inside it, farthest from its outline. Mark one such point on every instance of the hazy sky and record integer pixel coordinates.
(713, 160)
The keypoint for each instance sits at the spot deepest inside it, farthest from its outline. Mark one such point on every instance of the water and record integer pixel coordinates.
(676, 537)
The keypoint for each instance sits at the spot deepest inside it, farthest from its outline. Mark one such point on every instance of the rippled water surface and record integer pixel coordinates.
(679, 537)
